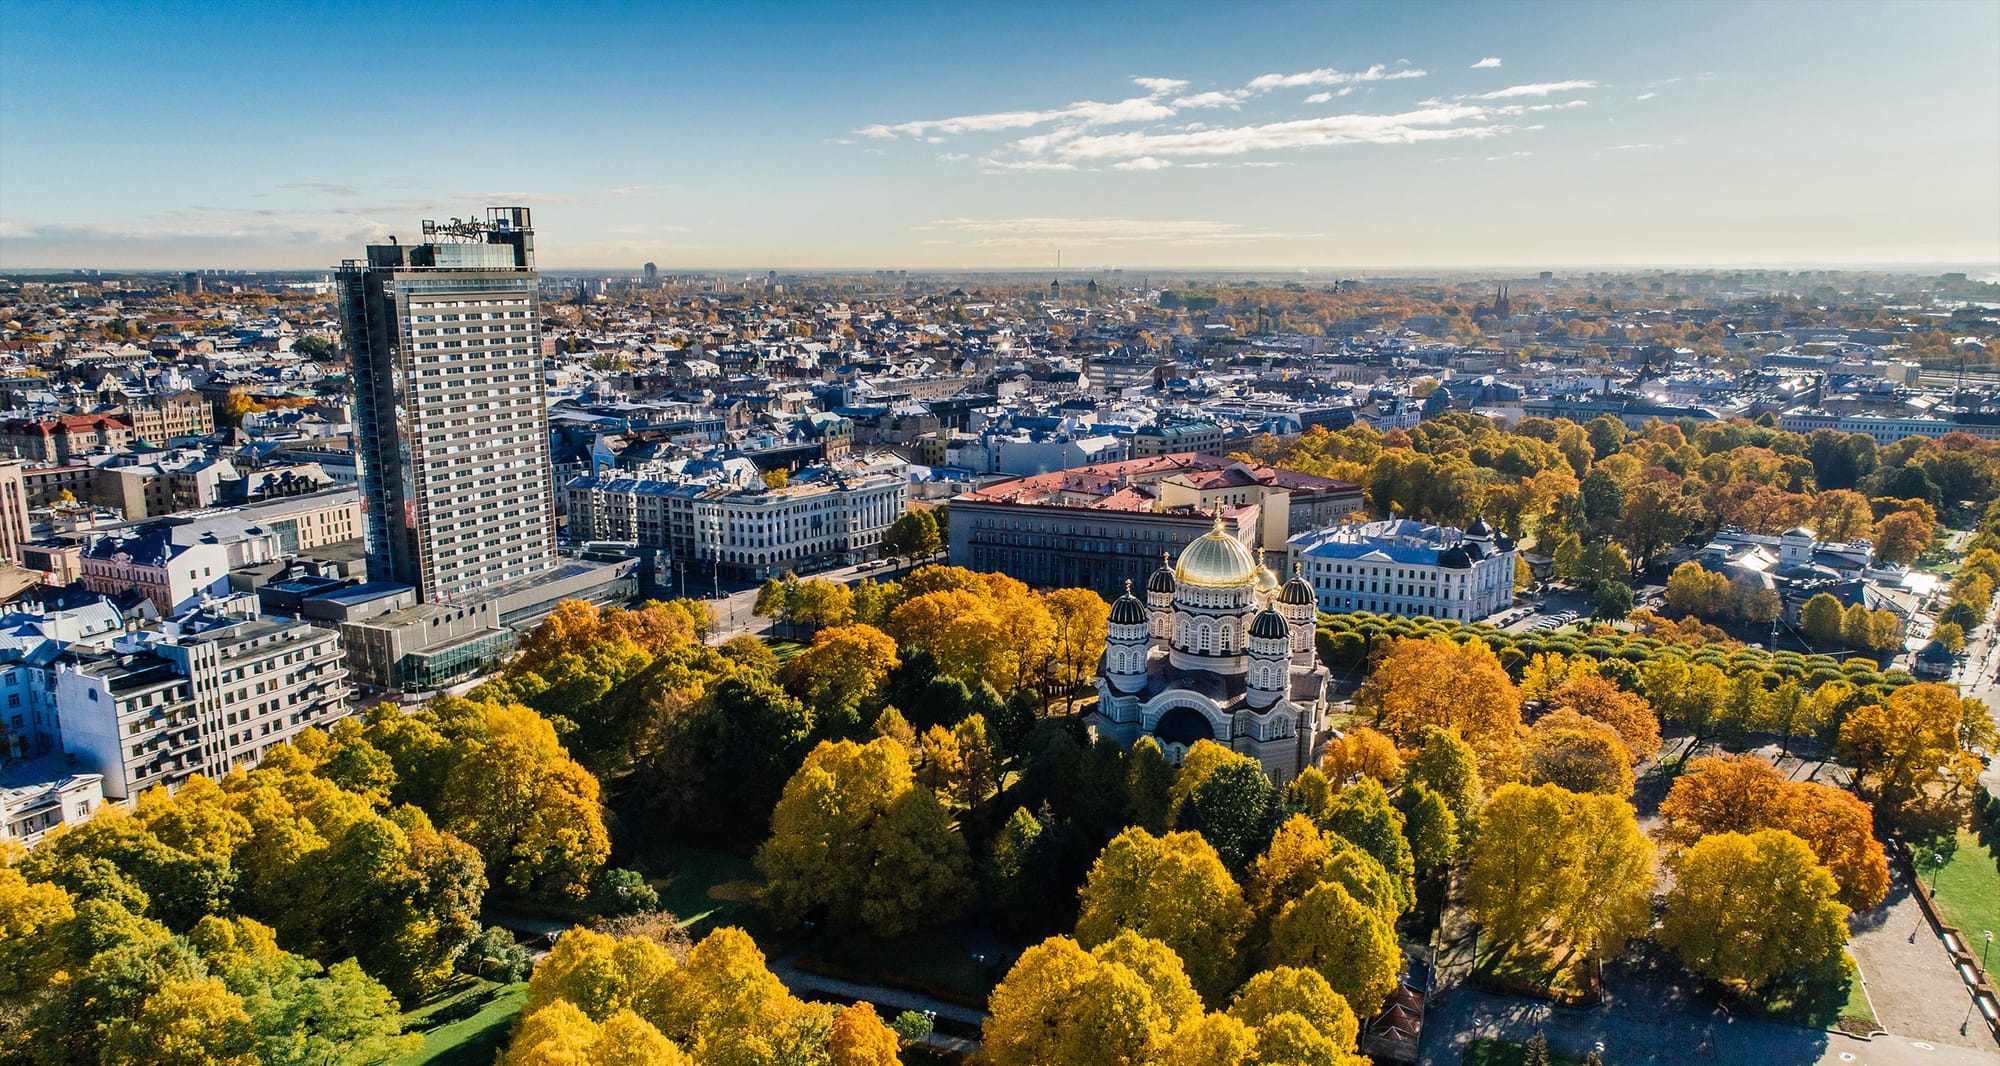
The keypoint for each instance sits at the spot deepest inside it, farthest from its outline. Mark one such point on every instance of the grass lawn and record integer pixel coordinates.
(1968, 890)
(1835, 1002)
(465, 1028)
(1508, 1053)
(702, 889)
(785, 649)
(1526, 971)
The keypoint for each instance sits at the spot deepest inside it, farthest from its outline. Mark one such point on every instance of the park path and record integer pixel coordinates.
(1916, 992)
(888, 1002)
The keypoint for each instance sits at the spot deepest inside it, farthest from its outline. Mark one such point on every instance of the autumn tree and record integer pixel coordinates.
(1743, 794)
(856, 839)
(1173, 889)
(1580, 754)
(514, 793)
(1361, 752)
(1347, 942)
(1898, 747)
(1434, 682)
(1118, 1004)
(1601, 699)
(1753, 910)
(840, 673)
(1556, 868)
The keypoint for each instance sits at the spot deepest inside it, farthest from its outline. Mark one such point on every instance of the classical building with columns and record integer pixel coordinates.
(1220, 651)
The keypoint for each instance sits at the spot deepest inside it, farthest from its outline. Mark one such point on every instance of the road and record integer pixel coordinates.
(732, 611)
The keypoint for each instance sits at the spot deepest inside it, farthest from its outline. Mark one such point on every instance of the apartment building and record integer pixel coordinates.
(201, 695)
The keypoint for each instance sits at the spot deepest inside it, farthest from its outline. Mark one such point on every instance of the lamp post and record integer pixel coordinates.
(1937, 863)
(1984, 951)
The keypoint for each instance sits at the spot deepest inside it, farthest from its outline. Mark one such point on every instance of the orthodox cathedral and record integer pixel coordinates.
(1218, 651)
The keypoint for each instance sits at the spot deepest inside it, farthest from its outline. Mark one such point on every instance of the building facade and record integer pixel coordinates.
(1099, 526)
(203, 695)
(450, 414)
(1217, 651)
(1404, 567)
(750, 533)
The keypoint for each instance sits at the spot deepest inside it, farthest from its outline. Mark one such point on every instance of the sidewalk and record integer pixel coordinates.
(888, 1002)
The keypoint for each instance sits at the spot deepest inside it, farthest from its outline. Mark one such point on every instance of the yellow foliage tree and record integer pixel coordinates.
(1434, 682)
(1555, 868)
(1753, 910)
(1173, 889)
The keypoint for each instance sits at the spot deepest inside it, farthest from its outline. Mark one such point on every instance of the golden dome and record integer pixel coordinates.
(1217, 560)
(1267, 579)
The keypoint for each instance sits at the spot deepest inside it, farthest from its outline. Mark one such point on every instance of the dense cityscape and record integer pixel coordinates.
(455, 651)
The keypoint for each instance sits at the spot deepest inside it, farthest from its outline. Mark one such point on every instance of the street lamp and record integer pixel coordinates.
(1985, 950)
(1937, 863)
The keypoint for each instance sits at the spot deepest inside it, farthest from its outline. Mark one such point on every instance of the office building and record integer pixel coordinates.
(450, 417)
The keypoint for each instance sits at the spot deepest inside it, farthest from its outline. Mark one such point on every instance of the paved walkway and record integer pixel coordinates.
(888, 1002)
(1916, 992)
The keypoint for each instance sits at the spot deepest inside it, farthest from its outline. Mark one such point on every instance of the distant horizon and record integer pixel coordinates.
(1914, 267)
(1425, 136)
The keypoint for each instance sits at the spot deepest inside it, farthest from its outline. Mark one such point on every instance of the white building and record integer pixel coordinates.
(201, 695)
(826, 517)
(1404, 567)
(39, 795)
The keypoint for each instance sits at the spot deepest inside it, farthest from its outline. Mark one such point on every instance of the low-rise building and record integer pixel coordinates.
(38, 795)
(174, 575)
(1405, 567)
(823, 518)
(1098, 526)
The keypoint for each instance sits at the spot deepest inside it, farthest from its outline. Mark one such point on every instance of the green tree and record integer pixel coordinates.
(1821, 618)
(1233, 809)
(1361, 813)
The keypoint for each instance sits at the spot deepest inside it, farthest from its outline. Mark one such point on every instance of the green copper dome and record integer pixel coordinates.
(1217, 560)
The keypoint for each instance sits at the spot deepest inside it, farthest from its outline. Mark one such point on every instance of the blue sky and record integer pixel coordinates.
(1320, 136)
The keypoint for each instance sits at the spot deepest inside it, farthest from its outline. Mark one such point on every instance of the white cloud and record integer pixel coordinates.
(1213, 99)
(1083, 112)
(1524, 109)
(1025, 164)
(1645, 96)
(1542, 88)
(1627, 147)
(1160, 86)
(1328, 76)
(1430, 124)
(1100, 232)
(1489, 61)
(1319, 98)
(1144, 162)
(953, 157)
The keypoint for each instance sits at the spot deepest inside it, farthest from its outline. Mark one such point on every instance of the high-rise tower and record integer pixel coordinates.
(451, 423)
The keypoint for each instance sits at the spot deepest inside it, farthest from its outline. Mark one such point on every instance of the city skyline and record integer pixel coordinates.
(1361, 137)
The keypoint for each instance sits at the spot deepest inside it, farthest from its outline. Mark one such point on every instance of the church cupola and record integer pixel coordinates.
(1125, 642)
(1160, 598)
(1270, 655)
(1300, 605)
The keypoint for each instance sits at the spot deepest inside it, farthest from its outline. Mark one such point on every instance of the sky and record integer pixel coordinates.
(1226, 135)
